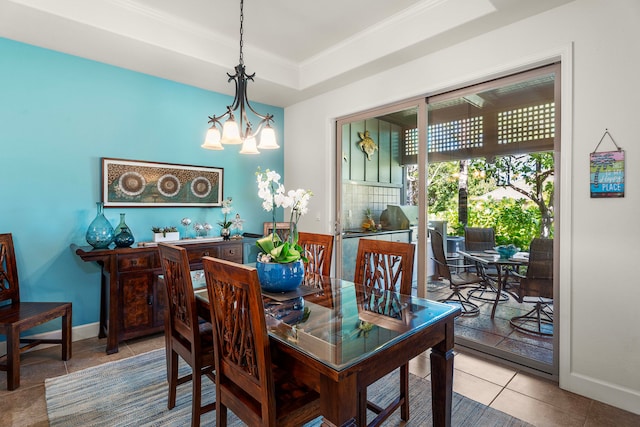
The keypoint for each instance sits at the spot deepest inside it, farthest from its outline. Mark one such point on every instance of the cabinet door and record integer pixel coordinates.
(400, 237)
(136, 304)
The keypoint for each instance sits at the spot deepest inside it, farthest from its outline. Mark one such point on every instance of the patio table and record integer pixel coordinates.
(487, 259)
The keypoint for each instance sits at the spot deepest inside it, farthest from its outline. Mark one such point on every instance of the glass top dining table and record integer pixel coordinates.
(339, 322)
(338, 335)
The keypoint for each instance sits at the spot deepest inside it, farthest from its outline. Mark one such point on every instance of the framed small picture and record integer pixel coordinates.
(133, 183)
(607, 174)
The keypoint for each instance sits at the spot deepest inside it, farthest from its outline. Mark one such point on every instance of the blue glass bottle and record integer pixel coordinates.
(123, 235)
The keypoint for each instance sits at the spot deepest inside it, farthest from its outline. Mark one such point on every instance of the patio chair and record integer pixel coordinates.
(458, 280)
(385, 266)
(477, 239)
(537, 283)
(247, 381)
(18, 316)
(186, 336)
(480, 239)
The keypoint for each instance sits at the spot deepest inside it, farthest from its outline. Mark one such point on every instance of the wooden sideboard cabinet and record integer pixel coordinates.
(132, 301)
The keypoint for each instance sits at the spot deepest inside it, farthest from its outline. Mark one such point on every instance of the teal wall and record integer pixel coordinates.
(59, 114)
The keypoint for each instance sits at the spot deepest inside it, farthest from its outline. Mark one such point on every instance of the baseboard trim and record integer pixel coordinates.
(78, 333)
(606, 392)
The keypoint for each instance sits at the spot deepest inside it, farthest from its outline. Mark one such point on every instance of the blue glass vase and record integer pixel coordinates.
(123, 235)
(100, 232)
(276, 277)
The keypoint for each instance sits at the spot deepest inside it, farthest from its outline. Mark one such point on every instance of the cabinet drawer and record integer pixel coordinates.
(231, 253)
(195, 254)
(144, 261)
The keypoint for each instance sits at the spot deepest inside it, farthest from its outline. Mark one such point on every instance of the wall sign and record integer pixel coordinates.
(607, 171)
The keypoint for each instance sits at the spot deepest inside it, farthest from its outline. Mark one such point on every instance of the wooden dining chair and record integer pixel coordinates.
(537, 283)
(282, 229)
(385, 266)
(459, 279)
(17, 316)
(186, 336)
(247, 380)
(318, 249)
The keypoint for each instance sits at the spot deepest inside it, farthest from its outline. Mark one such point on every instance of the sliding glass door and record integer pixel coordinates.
(482, 157)
(491, 165)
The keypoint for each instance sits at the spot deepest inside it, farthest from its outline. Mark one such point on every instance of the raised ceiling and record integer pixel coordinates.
(297, 48)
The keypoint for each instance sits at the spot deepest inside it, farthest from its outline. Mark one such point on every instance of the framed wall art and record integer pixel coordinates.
(133, 183)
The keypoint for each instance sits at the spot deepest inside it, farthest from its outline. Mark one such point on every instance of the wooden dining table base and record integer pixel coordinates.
(339, 390)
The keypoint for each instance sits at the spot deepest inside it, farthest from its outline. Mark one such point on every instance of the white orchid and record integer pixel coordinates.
(226, 210)
(273, 196)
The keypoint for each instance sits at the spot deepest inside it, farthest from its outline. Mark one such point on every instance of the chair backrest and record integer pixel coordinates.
(442, 268)
(539, 278)
(181, 302)
(282, 229)
(385, 265)
(318, 249)
(9, 286)
(242, 352)
(479, 239)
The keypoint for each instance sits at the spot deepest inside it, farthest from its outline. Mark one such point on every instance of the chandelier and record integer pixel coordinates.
(232, 130)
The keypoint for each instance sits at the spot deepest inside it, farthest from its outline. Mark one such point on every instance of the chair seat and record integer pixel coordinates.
(26, 315)
(290, 393)
(465, 278)
(22, 315)
(294, 400)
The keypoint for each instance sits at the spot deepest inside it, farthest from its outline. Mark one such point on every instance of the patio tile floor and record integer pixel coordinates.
(497, 332)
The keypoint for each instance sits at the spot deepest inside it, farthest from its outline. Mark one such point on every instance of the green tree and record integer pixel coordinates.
(514, 221)
(532, 176)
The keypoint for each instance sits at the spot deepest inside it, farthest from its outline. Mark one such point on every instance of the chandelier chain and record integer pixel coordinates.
(241, 30)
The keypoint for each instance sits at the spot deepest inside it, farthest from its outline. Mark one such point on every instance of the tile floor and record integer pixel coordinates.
(530, 398)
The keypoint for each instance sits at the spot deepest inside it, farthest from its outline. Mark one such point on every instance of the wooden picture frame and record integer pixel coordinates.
(134, 183)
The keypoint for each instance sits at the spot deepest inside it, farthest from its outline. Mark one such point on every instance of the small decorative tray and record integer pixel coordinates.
(183, 241)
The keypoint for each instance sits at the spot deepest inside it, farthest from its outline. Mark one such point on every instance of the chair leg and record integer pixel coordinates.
(221, 413)
(196, 387)
(13, 359)
(172, 365)
(537, 315)
(468, 308)
(487, 289)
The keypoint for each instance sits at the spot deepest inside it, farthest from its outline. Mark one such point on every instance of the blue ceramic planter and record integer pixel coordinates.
(276, 277)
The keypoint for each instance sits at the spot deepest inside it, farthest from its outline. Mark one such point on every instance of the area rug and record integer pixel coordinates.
(133, 392)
